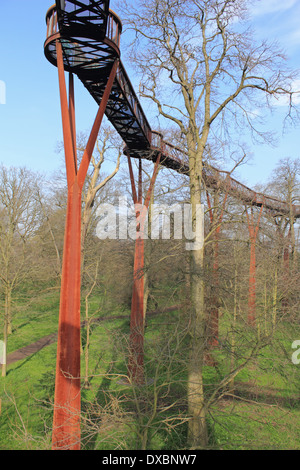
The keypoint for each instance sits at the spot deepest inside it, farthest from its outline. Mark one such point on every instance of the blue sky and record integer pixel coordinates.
(30, 121)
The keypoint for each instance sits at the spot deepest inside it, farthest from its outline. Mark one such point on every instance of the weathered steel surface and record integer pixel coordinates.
(67, 400)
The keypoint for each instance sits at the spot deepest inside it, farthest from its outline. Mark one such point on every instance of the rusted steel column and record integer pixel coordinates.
(136, 353)
(66, 113)
(253, 231)
(72, 117)
(86, 159)
(66, 421)
(136, 344)
(67, 400)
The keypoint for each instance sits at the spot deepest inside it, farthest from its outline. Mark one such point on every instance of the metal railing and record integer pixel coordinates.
(224, 180)
(130, 96)
(113, 29)
(52, 23)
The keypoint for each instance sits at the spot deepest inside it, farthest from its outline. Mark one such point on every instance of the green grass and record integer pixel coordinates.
(246, 426)
(265, 415)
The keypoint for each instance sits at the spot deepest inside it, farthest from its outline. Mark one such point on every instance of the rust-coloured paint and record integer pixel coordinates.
(66, 422)
(67, 401)
(136, 346)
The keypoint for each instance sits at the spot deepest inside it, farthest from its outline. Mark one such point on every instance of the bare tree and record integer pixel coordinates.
(285, 184)
(105, 164)
(108, 145)
(206, 75)
(19, 219)
(47, 226)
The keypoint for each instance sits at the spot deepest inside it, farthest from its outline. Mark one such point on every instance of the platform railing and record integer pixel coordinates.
(52, 23)
(113, 30)
(131, 98)
(83, 11)
(223, 179)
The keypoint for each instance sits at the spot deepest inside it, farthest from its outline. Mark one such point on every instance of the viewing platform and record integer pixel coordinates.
(89, 44)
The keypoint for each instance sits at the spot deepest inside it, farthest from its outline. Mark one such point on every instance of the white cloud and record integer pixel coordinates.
(2, 92)
(293, 39)
(263, 7)
(284, 100)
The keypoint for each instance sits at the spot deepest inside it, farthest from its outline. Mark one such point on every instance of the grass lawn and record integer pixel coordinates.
(264, 414)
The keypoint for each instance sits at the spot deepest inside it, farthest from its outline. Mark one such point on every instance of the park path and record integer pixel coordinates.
(33, 348)
(30, 349)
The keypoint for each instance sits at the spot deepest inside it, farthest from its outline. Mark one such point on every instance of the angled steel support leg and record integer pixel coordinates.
(67, 400)
(66, 421)
(136, 353)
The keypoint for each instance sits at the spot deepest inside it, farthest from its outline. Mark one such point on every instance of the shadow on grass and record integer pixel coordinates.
(99, 411)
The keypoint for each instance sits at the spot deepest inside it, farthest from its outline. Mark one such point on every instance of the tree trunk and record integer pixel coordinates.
(233, 333)
(4, 349)
(147, 253)
(5, 335)
(274, 310)
(87, 344)
(197, 432)
(8, 311)
(197, 424)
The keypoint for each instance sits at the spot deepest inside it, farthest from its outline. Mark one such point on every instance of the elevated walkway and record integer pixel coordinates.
(90, 36)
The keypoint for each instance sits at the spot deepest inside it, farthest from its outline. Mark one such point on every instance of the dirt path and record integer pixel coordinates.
(22, 353)
(33, 348)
